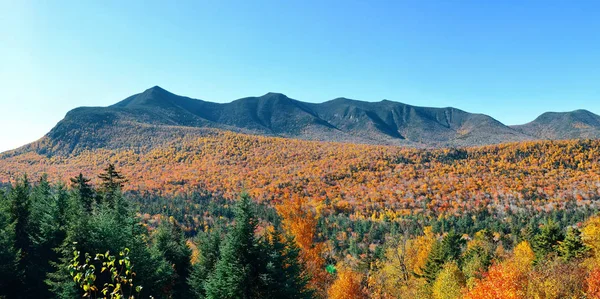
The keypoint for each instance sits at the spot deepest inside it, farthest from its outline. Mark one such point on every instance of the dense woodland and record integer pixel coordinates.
(238, 216)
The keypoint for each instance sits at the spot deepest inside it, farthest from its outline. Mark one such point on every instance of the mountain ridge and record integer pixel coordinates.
(149, 117)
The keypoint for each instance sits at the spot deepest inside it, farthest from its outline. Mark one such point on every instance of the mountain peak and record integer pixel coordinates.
(153, 96)
(274, 95)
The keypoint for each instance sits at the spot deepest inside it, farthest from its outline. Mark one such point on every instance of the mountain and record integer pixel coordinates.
(155, 116)
(576, 124)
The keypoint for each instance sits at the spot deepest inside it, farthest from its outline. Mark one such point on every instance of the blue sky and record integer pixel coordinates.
(512, 60)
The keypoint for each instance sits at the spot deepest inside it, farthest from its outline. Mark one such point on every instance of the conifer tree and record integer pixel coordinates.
(20, 216)
(547, 240)
(84, 191)
(209, 250)
(236, 272)
(47, 235)
(170, 241)
(285, 277)
(9, 255)
(448, 249)
(572, 246)
(111, 183)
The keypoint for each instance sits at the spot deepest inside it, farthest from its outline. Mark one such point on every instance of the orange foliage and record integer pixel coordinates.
(347, 286)
(507, 280)
(593, 282)
(300, 221)
(362, 180)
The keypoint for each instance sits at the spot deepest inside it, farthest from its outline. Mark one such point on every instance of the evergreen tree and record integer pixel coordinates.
(572, 246)
(285, 278)
(547, 240)
(170, 241)
(48, 235)
(84, 191)
(20, 217)
(236, 272)
(448, 249)
(111, 183)
(209, 250)
(9, 255)
(111, 227)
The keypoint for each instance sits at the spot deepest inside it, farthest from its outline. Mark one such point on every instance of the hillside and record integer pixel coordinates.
(357, 177)
(563, 125)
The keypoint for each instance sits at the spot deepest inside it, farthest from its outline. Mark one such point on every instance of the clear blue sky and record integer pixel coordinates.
(510, 59)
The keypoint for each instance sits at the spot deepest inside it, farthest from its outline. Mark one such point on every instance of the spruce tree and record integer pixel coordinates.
(572, 246)
(20, 217)
(111, 183)
(48, 235)
(285, 277)
(209, 251)
(170, 241)
(547, 240)
(236, 273)
(111, 227)
(84, 191)
(448, 249)
(9, 255)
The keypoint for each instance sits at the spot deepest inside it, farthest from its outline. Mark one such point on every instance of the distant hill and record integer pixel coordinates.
(155, 116)
(578, 124)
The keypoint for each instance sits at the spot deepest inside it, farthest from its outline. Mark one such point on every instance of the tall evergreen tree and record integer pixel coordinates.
(170, 241)
(9, 255)
(111, 227)
(84, 191)
(547, 240)
(209, 244)
(448, 249)
(572, 246)
(111, 183)
(236, 273)
(47, 235)
(20, 217)
(284, 277)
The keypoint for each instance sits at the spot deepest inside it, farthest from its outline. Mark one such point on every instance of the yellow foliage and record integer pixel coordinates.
(523, 257)
(449, 283)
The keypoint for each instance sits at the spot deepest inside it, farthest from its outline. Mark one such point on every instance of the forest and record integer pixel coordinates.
(230, 215)
(78, 239)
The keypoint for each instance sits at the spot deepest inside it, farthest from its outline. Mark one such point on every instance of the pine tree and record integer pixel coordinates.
(170, 241)
(9, 255)
(285, 277)
(448, 249)
(84, 191)
(48, 235)
(20, 217)
(110, 227)
(236, 272)
(111, 183)
(547, 240)
(209, 250)
(572, 246)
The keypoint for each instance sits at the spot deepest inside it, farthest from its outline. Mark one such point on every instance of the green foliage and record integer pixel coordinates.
(572, 246)
(448, 249)
(209, 250)
(547, 240)
(9, 255)
(236, 272)
(83, 191)
(111, 183)
(284, 275)
(255, 267)
(170, 241)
